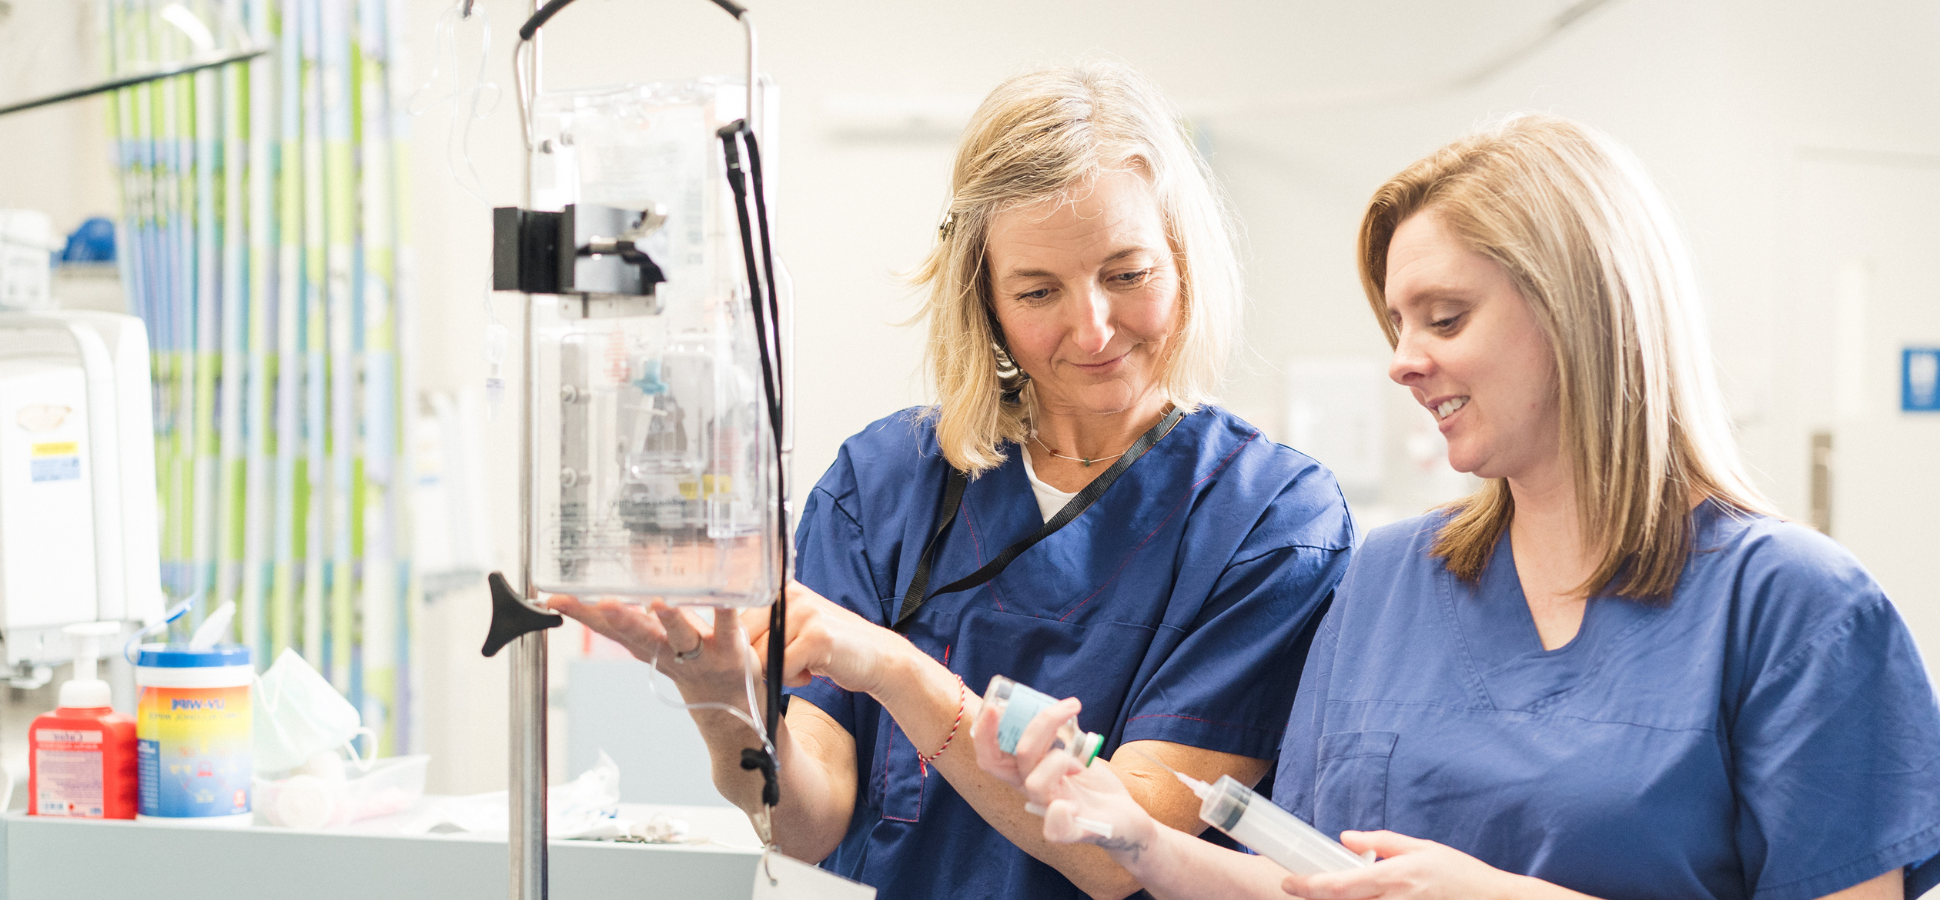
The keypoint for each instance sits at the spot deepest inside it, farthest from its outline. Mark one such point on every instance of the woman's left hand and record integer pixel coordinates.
(1408, 868)
(827, 640)
(1050, 777)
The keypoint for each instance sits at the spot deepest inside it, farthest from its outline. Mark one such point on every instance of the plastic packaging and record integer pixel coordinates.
(585, 805)
(81, 760)
(193, 734)
(320, 796)
(1270, 831)
(1017, 705)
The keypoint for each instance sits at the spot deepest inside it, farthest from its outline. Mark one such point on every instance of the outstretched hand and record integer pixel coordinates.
(824, 640)
(1409, 869)
(678, 641)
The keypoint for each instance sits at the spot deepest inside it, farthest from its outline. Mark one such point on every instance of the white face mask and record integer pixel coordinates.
(297, 714)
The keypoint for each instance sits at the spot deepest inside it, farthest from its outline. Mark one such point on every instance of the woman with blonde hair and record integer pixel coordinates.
(1072, 513)
(1612, 671)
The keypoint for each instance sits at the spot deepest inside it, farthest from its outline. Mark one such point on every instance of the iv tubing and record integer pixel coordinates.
(457, 137)
(750, 717)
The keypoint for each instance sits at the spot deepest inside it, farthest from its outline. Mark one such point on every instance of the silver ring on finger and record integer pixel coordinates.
(690, 655)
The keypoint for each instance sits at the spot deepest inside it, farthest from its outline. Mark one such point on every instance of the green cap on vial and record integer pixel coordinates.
(1088, 750)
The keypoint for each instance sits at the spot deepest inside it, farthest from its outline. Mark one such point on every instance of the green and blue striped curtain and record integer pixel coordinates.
(263, 220)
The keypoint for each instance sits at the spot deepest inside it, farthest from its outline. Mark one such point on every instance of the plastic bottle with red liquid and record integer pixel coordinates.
(82, 755)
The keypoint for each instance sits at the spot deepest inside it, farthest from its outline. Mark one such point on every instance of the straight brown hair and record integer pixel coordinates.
(1593, 249)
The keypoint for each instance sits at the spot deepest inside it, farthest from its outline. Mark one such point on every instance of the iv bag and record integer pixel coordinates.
(654, 468)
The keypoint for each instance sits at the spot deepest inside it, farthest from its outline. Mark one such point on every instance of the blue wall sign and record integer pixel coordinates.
(1920, 379)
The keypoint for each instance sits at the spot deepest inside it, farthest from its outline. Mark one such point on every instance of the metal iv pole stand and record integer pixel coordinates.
(526, 837)
(518, 619)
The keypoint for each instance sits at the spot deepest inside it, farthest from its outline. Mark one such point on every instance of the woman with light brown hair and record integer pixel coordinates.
(1611, 672)
(1072, 513)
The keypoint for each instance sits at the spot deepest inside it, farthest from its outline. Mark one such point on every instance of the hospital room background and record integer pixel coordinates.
(1799, 141)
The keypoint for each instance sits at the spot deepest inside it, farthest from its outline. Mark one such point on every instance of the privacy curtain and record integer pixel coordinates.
(261, 205)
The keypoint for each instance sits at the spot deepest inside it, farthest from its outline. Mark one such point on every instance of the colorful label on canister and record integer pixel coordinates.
(192, 745)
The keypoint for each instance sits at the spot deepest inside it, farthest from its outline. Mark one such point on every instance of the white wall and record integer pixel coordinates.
(1722, 99)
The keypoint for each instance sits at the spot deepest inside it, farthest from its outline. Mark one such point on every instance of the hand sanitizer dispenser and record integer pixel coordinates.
(82, 755)
(78, 534)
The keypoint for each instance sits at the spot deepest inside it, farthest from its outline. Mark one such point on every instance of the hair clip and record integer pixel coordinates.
(948, 225)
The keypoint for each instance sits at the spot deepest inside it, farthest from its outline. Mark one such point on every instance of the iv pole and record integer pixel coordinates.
(527, 835)
(518, 619)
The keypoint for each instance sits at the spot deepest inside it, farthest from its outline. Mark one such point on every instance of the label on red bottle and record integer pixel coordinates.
(68, 781)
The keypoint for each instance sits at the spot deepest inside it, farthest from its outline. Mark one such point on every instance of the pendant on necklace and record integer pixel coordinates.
(1087, 463)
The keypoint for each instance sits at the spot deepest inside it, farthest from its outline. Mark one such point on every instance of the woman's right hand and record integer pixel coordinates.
(693, 653)
(1049, 776)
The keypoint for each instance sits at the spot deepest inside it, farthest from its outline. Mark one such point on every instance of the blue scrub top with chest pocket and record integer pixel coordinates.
(1177, 608)
(1769, 733)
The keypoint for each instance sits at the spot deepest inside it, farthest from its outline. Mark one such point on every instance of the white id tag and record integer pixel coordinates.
(779, 877)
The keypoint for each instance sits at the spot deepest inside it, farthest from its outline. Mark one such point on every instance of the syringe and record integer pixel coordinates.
(1261, 824)
(1272, 832)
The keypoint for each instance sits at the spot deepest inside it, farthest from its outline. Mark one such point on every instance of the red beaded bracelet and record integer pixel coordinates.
(963, 699)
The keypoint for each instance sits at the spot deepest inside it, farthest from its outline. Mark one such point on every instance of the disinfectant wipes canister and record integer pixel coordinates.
(192, 732)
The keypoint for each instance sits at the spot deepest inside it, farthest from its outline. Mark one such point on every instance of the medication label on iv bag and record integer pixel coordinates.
(778, 877)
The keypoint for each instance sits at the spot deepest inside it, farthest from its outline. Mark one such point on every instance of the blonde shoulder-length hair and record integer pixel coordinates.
(1591, 246)
(1042, 136)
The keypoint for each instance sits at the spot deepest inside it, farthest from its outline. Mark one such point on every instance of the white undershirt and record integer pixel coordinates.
(1049, 499)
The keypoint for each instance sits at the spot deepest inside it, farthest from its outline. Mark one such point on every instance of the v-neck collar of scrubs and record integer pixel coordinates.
(1511, 588)
(1061, 574)
(1510, 668)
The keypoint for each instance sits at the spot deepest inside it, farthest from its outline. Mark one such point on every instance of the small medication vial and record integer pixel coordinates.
(1017, 705)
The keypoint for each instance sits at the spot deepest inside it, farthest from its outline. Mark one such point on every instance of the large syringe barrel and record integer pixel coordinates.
(1273, 832)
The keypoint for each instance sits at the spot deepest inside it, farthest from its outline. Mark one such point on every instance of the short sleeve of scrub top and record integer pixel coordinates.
(1177, 608)
(1770, 733)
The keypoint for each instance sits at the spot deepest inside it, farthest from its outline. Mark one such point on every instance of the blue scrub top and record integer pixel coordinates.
(1177, 608)
(1769, 733)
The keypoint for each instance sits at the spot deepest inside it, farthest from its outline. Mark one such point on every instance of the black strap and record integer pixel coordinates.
(914, 598)
(952, 499)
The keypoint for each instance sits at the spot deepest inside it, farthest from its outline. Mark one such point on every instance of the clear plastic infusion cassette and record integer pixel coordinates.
(654, 468)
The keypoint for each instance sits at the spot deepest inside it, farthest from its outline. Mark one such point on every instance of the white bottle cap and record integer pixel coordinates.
(85, 690)
(89, 694)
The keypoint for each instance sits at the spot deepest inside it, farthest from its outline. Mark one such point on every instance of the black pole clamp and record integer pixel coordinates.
(512, 616)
